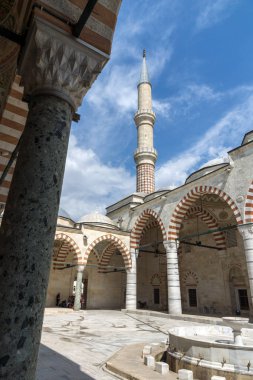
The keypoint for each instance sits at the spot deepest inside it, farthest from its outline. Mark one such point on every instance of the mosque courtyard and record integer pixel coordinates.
(76, 345)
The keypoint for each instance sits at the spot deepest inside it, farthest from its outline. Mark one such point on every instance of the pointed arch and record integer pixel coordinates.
(248, 208)
(189, 199)
(106, 257)
(140, 223)
(95, 254)
(68, 245)
(116, 243)
(211, 222)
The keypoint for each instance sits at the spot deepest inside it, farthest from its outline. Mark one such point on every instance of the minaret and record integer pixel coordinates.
(145, 155)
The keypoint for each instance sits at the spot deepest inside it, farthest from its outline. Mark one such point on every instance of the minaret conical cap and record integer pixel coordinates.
(144, 78)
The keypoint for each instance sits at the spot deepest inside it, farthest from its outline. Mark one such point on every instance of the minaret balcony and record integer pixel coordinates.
(144, 116)
(145, 154)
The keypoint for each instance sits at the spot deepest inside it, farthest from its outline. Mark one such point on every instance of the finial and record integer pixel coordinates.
(144, 70)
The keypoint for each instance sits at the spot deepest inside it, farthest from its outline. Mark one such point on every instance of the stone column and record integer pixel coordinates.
(131, 284)
(174, 294)
(55, 74)
(78, 292)
(247, 234)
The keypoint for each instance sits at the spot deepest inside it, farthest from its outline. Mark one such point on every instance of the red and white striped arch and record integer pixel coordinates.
(140, 225)
(211, 222)
(248, 208)
(68, 245)
(95, 254)
(106, 257)
(116, 243)
(189, 199)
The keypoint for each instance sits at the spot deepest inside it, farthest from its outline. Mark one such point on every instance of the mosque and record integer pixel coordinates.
(186, 250)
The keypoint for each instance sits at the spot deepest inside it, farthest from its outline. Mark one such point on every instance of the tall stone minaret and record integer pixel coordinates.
(145, 155)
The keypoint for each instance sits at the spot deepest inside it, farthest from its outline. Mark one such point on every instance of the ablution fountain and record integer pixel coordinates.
(209, 350)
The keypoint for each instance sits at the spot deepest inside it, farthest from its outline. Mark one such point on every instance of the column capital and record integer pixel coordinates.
(55, 63)
(170, 244)
(246, 230)
(80, 268)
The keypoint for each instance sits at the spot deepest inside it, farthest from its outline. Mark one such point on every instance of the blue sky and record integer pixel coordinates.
(200, 60)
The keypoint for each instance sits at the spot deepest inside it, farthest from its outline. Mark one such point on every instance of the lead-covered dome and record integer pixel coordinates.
(97, 219)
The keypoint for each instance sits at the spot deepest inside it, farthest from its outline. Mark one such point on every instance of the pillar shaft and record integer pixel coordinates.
(56, 72)
(78, 292)
(247, 234)
(27, 233)
(174, 294)
(131, 284)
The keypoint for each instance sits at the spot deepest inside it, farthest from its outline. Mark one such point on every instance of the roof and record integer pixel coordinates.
(63, 213)
(98, 220)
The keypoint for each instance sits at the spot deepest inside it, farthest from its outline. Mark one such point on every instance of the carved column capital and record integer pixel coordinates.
(246, 231)
(55, 63)
(170, 245)
(80, 268)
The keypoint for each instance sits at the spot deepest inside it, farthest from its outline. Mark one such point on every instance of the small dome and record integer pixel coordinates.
(62, 213)
(98, 220)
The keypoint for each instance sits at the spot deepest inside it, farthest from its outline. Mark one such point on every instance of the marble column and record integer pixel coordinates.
(131, 284)
(247, 234)
(79, 283)
(55, 73)
(174, 294)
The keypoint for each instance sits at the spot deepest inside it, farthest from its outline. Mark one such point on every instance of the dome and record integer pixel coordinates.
(204, 171)
(98, 220)
(63, 214)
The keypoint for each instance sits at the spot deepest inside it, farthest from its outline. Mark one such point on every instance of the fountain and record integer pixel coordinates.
(236, 323)
(210, 350)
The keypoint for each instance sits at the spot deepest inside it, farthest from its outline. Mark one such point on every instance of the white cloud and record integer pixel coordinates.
(192, 95)
(213, 12)
(91, 185)
(212, 145)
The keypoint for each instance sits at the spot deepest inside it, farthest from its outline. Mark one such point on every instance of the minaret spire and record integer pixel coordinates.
(145, 155)
(144, 77)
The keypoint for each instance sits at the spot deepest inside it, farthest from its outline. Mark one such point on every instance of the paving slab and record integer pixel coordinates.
(128, 363)
(76, 345)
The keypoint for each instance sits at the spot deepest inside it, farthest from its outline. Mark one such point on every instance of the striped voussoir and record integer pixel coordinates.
(150, 225)
(248, 209)
(68, 245)
(189, 199)
(106, 257)
(116, 243)
(95, 254)
(140, 225)
(212, 224)
(12, 125)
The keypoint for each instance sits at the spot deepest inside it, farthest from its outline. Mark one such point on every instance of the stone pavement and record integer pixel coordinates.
(76, 345)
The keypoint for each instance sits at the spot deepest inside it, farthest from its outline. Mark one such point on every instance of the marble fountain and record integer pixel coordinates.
(223, 350)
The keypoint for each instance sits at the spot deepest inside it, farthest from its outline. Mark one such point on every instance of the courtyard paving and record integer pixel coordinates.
(76, 345)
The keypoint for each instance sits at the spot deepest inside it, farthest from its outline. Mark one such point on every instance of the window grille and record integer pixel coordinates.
(156, 296)
(243, 299)
(192, 294)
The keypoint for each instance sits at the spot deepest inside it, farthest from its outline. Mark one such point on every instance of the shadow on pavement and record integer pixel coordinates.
(53, 366)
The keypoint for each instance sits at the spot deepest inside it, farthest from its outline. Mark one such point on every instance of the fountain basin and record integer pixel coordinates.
(209, 350)
(236, 323)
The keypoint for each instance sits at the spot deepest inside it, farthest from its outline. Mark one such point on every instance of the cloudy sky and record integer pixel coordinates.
(200, 60)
